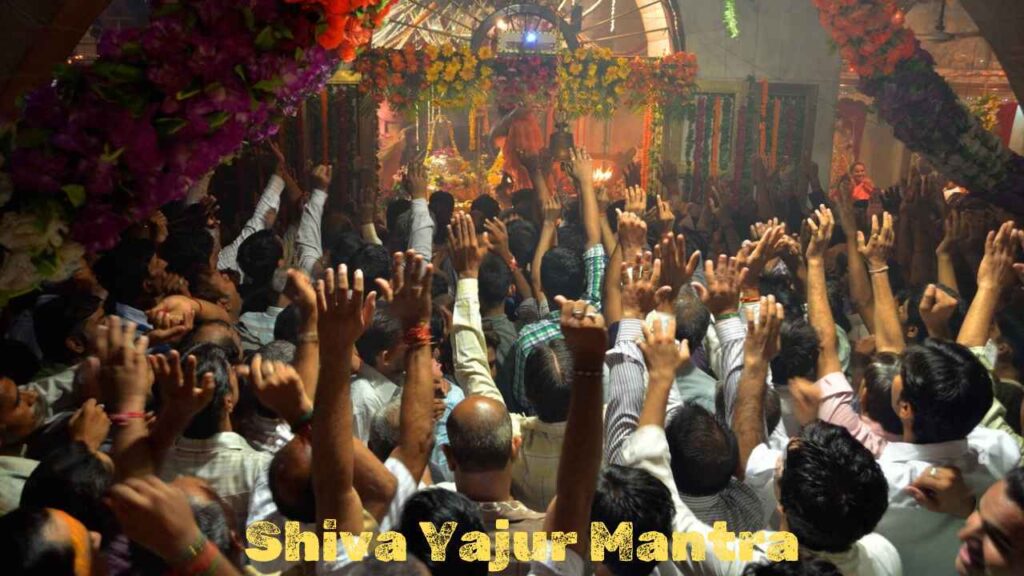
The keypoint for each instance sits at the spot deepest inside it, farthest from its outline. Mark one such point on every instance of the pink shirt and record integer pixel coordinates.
(837, 408)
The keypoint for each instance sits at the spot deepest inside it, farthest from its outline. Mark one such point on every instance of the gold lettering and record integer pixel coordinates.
(783, 546)
(720, 537)
(263, 535)
(654, 549)
(601, 540)
(438, 541)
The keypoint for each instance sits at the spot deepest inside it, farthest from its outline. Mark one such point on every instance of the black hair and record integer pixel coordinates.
(802, 567)
(210, 358)
(27, 550)
(800, 348)
(547, 378)
(20, 363)
(495, 279)
(627, 494)
(124, 270)
(522, 241)
(227, 344)
(72, 479)
(437, 506)
(832, 490)
(344, 248)
(561, 274)
(394, 209)
(612, 213)
(524, 199)
(258, 256)
(288, 324)
(487, 206)
(704, 451)
(60, 318)
(878, 377)
(374, 261)
(442, 206)
(382, 334)
(571, 238)
(772, 407)
(1015, 486)
(187, 250)
(956, 321)
(948, 388)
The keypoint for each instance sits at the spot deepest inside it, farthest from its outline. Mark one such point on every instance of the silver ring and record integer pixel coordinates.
(579, 313)
(934, 472)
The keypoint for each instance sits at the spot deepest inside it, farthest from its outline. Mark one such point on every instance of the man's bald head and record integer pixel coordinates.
(291, 480)
(480, 435)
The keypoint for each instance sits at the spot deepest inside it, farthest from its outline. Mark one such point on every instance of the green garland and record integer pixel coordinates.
(729, 18)
(725, 153)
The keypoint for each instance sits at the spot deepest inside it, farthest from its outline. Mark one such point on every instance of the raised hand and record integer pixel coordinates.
(343, 312)
(581, 166)
(279, 387)
(156, 515)
(89, 425)
(631, 174)
(668, 175)
(821, 226)
(124, 374)
(954, 233)
(640, 289)
(415, 180)
(466, 251)
(585, 334)
(182, 392)
(756, 256)
(411, 288)
(665, 215)
(724, 281)
(996, 269)
(763, 329)
(497, 233)
(636, 200)
(662, 354)
(300, 291)
(676, 270)
(322, 175)
(943, 490)
(936, 309)
(632, 233)
(170, 328)
(883, 237)
(552, 209)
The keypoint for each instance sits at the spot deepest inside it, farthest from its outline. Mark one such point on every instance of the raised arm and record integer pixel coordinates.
(632, 241)
(269, 200)
(343, 315)
(421, 228)
(759, 348)
(498, 236)
(411, 306)
(582, 167)
(580, 461)
(860, 282)
(818, 311)
(722, 299)
(954, 233)
(994, 274)
(552, 212)
(300, 291)
(876, 250)
(663, 357)
(308, 240)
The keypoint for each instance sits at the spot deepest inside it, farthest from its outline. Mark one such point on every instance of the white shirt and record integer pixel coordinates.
(225, 461)
(647, 449)
(371, 390)
(927, 540)
(262, 508)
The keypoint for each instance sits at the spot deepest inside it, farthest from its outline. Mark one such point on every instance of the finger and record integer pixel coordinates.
(656, 271)
(342, 279)
(928, 299)
(191, 363)
(256, 372)
(329, 280)
(397, 273)
(116, 333)
(321, 296)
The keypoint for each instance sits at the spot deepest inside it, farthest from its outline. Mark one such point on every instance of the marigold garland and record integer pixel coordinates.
(776, 118)
(716, 137)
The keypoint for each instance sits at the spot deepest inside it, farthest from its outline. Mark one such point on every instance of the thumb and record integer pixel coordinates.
(918, 495)
(701, 291)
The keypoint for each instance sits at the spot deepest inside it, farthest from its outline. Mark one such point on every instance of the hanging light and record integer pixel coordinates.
(561, 142)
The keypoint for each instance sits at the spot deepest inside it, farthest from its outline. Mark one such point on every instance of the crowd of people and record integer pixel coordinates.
(842, 366)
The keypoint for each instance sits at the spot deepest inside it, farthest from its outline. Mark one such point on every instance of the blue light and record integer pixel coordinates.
(531, 37)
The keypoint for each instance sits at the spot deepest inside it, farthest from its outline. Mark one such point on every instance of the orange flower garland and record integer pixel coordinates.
(716, 137)
(763, 124)
(776, 117)
(870, 34)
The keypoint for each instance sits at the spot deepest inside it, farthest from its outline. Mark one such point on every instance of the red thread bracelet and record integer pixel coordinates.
(418, 335)
(122, 418)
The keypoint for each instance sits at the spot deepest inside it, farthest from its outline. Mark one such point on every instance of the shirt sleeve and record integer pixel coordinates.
(627, 374)
(421, 230)
(732, 334)
(308, 243)
(270, 200)
(369, 234)
(470, 349)
(837, 408)
(405, 487)
(594, 263)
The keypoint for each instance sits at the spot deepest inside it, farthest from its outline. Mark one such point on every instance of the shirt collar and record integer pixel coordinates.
(906, 452)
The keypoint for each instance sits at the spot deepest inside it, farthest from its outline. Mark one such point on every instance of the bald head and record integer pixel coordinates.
(291, 480)
(480, 435)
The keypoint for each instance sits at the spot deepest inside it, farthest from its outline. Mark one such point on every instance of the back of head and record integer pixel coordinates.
(288, 324)
(210, 358)
(124, 270)
(442, 206)
(626, 494)
(480, 435)
(259, 255)
(561, 274)
(278, 351)
(374, 261)
(382, 334)
(948, 388)
(394, 209)
(187, 250)
(217, 332)
(486, 207)
(1015, 487)
(832, 490)
(704, 451)
(495, 279)
(802, 567)
(291, 481)
(344, 248)
(384, 429)
(547, 373)
(28, 549)
(878, 378)
(798, 356)
(437, 506)
(72, 479)
(692, 317)
(522, 241)
(62, 318)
